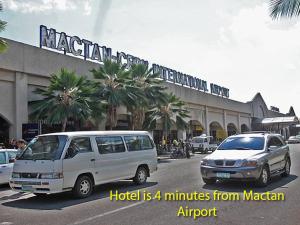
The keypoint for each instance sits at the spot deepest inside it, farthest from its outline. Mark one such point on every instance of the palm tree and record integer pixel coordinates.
(150, 92)
(114, 87)
(67, 96)
(284, 8)
(171, 113)
(3, 44)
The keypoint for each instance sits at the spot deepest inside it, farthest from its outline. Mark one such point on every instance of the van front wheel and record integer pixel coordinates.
(140, 175)
(83, 187)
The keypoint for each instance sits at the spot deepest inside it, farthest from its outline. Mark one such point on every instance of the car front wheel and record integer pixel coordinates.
(264, 177)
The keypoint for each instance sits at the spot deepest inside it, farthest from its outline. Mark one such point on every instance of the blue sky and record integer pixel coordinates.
(233, 43)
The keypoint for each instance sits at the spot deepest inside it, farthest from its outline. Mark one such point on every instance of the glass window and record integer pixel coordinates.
(2, 158)
(243, 143)
(133, 143)
(137, 143)
(274, 141)
(110, 144)
(48, 147)
(12, 155)
(81, 144)
(145, 142)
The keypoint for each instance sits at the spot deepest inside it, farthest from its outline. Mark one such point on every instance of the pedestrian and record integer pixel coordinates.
(21, 143)
(13, 144)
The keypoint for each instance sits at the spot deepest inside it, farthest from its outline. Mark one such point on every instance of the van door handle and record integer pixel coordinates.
(92, 160)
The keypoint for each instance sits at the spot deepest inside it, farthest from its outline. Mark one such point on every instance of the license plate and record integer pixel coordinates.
(27, 188)
(223, 175)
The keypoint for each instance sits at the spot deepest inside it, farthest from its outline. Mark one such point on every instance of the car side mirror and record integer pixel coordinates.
(272, 148)
(11, 160)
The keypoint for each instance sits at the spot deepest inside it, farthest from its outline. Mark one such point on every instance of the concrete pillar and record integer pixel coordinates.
(21, 103)
(224, 121)
(181, 134)
(206, 121)
(239, 123)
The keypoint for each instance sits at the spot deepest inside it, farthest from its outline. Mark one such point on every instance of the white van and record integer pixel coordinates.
(77, 161)
(202, 144)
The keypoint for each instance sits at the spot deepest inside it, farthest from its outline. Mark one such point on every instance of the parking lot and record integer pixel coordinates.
(182, 175)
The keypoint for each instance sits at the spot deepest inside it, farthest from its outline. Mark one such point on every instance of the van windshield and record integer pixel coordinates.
(44, 148)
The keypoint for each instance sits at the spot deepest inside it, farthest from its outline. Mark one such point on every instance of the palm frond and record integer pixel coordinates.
(284, 8)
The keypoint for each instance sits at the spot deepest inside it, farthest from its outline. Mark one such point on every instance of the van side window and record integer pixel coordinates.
(113, 144)
(81, 144)
(137, 143)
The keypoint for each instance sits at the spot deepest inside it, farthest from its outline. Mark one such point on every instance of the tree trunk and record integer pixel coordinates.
(64, 124)
(109, 117)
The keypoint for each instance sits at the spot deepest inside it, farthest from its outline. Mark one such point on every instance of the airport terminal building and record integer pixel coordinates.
(23, 68)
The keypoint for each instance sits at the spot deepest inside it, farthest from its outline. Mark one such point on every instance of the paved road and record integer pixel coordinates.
(182, 175)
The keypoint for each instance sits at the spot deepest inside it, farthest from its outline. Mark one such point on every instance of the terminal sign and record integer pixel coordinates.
(76, 46)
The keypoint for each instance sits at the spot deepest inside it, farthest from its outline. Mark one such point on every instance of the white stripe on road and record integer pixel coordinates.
(108, 213)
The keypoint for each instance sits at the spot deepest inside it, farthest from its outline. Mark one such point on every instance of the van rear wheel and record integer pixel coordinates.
(140, 176)
(83, 187)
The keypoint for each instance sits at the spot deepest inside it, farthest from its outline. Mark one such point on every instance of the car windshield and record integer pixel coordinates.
(2, 158)
(243, 143)
(44, 148)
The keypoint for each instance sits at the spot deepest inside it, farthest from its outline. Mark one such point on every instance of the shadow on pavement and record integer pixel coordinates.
(63, 200)
(237, 186)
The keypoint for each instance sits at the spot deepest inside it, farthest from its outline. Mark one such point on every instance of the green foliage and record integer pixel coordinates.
(171, 113)
(67, 96)
(284, 8)
(114, 86)
(3, 44)
(149, 90)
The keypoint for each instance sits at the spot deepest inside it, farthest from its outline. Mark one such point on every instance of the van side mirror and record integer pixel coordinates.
(70, 153)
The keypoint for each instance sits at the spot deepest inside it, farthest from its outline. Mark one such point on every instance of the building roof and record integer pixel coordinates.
(288, 119)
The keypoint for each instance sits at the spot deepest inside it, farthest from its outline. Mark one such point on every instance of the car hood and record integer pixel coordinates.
(235, 154)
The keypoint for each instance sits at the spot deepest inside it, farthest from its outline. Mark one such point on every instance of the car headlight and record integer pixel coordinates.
(205, 162)
(15, 175)
(51, 175)
(249, 163)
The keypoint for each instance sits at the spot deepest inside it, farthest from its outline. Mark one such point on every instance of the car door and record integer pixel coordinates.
(112, 159)
(274, 146)
(79, 158)
(4, 177)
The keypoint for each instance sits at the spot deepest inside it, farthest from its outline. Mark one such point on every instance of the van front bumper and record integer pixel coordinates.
(36, 185)
(235, 173)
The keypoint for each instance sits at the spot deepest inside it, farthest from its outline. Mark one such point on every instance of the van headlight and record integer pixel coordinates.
(15, 175)
(51, 175)
(249, 163)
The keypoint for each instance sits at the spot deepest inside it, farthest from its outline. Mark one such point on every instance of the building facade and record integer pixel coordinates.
(23, 68)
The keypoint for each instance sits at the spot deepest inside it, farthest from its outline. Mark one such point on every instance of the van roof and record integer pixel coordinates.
(8, 150)
(92, 133)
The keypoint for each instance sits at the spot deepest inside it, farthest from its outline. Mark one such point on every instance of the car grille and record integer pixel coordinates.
(224, 163)
(28, 175)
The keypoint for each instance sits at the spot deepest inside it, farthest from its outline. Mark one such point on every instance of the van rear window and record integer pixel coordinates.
(110, 144)
(137, 143)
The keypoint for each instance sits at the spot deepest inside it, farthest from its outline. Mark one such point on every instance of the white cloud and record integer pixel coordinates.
(38, 6)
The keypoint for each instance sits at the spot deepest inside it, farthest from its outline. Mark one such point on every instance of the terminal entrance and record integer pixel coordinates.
(195, 129)
(217, 132)
(4, 131)
(231, 129)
